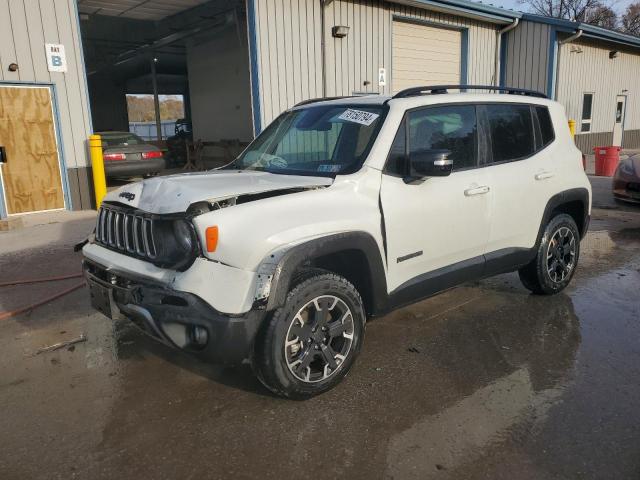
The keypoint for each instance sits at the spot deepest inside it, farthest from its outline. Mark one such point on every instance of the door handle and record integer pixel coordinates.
(543, 175)
(476, 191)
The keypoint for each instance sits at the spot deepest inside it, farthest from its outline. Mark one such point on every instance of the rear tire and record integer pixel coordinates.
(556, 260)
(308, 346)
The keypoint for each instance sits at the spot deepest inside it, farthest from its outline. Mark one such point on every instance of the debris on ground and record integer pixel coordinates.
(58, 346)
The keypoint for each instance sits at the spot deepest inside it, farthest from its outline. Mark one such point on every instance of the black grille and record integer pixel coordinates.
(131, 233)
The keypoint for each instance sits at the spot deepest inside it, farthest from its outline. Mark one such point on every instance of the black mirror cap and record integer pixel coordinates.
(430, 163)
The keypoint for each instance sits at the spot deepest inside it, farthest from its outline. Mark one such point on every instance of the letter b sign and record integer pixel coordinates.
(56, 59)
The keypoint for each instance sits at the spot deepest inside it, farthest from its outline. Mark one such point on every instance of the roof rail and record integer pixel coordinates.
(439, 89)
(321, 99)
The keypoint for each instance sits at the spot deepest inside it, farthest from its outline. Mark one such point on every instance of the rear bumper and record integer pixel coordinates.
(175, 318)
(132, 168)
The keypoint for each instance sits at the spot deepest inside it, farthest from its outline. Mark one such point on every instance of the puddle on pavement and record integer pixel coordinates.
(483, 368)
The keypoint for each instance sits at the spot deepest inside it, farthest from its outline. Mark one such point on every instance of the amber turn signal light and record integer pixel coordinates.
(212, 239)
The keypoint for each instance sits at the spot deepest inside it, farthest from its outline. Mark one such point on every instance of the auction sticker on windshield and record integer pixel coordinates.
(358, 116)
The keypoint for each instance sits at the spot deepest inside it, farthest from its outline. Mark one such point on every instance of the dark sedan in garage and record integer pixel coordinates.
(127, 155)
(626, 180)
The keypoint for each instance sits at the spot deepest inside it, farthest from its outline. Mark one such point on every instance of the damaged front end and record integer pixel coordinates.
(178, 319)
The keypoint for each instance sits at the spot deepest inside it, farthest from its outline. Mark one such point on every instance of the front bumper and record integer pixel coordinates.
(177, 319)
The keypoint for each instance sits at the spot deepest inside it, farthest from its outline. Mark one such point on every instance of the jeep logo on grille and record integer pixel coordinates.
(128, 195)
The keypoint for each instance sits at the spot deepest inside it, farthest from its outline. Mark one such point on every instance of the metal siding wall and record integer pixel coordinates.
(371, 24)
(25, 27)
(527, 56)
(292, 72)
(288, 38)
(593, 71)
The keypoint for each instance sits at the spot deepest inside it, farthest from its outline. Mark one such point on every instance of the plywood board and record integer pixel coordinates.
(31, 175)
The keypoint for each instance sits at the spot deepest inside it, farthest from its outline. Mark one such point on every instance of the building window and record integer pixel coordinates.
(587, 106)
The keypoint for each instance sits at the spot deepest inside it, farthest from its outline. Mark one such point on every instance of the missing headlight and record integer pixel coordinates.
(177, 243)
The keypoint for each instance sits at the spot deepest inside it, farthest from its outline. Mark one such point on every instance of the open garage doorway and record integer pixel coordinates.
(150, 54)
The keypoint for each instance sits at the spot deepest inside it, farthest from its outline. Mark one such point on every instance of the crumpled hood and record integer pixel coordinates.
(175, 193)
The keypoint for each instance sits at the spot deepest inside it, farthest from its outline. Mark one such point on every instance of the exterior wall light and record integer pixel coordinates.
(614, 54)
(340, 31)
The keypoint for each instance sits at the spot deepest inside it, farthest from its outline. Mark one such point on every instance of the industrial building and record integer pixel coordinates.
(593, 72)
(66, 67)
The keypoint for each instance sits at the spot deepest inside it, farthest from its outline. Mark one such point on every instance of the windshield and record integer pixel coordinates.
(121, 140)
(319, 140)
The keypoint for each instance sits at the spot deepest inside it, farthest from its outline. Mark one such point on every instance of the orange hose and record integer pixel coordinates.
(13, 313)
(40, 280)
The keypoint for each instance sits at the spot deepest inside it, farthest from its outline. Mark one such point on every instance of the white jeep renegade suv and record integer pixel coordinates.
(343, 209)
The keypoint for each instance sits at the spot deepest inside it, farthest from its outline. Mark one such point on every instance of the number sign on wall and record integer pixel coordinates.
(56, 59)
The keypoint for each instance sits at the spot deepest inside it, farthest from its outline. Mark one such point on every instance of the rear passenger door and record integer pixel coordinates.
(519, 161)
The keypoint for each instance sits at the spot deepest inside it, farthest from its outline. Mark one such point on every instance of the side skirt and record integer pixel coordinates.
(437, 281)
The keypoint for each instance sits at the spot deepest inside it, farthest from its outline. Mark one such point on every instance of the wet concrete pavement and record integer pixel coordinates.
(484, 381)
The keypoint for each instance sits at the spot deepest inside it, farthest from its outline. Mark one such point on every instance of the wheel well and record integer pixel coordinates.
(354, 266)
(576, 210)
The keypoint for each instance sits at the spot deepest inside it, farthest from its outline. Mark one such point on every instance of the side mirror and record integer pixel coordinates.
(430, 163)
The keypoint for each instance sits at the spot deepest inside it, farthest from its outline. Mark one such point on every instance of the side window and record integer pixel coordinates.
(547, 135)
(511, 129)
(452, 128)
(587, 107)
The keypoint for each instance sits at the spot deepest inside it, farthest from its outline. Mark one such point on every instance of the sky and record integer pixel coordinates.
(618, 5)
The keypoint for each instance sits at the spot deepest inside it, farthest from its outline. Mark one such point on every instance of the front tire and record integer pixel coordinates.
(309, 345)
(556, 259)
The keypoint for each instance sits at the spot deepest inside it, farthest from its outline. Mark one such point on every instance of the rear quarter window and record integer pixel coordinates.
(511, 130)
(547, 134)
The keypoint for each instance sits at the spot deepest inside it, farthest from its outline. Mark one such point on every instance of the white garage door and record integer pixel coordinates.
(425, 55)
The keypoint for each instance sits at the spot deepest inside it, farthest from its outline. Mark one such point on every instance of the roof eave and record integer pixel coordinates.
(590, 31)
(464, 8)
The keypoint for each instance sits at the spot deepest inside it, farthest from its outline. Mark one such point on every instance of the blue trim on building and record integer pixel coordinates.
(474, 8)
(84, 75)
(254, 68)
(503, 59)
(464, 56)
(558, 22)
(590, 31)
(552, 64)
(3, 209)
(61, 159)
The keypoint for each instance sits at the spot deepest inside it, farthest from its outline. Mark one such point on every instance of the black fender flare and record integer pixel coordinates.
(294, 258)
(572, 195)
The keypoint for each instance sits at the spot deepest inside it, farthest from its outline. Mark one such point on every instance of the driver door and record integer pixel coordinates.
(437, 228)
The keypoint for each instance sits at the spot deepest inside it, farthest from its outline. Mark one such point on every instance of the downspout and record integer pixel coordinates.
(496, 70)
(323, 47)
(570, 39)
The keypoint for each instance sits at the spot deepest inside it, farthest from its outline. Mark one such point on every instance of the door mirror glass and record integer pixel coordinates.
(430, 163)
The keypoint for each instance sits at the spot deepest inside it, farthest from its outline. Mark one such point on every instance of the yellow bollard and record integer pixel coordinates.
(97, 167)
(572, 127)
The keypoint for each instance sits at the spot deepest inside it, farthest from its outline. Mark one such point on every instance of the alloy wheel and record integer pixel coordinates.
(561, 254)
(319, 339)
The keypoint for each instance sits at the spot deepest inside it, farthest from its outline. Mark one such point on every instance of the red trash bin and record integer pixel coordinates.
(607, 159)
